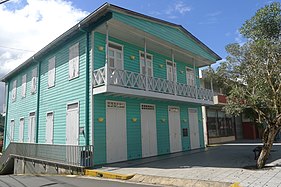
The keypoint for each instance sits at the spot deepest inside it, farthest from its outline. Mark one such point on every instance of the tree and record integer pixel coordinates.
(252, 73)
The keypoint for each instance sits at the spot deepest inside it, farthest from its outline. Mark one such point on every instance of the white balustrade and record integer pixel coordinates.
(133, 80)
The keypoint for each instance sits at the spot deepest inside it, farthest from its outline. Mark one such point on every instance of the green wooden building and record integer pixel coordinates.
(121, 81)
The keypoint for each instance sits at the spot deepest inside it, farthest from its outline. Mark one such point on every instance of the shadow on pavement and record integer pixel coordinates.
(230, 155)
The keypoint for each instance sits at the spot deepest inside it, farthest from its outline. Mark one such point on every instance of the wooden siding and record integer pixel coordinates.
(22, 106)
(170, 34)
(134, 145)
(52, 99)
(134, 65)
(64, 92)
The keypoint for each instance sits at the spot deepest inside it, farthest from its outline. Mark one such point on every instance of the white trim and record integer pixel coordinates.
(147, 54)
(71, 103)
(122, 52)
(53, 59)
(91, 88)
(53, 114)
(174, 70)
(148, 94)
(194, 79)
(77, 44)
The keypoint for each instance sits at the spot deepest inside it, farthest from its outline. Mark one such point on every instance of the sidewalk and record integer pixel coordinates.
(223, 163)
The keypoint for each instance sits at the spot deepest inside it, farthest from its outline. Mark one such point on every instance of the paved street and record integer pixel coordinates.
(59, 181)
(232, 162)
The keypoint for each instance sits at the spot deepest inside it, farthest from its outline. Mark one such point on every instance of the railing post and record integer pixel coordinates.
(145, 71)
(195, 81)
(174, 73)
(106, 69)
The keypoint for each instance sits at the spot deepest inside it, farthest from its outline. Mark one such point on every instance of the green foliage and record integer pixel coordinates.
(252, 71)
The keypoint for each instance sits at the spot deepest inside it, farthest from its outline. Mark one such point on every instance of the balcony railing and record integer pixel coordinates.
(133, 80)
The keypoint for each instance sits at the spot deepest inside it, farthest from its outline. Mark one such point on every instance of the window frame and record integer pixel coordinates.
(70, 61)
(34, 80)
(194, 78)
(115, 49)
(14, 91)
(52, 60)
(140, 58)
(23, 86)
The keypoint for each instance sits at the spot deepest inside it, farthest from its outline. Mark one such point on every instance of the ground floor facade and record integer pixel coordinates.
(132, 128)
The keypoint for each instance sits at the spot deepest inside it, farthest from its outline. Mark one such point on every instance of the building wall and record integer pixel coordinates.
(134, 65)
(134, 145)
(22, 106)
(53, 99)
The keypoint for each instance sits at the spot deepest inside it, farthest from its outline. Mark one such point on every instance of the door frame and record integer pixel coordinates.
(198, 130)
(22, 129)
(126, 138)
(35, 126)
(180, 134)
(70, 103)
(53, 125)
(156, 143)
(12, 138)
(174, 69)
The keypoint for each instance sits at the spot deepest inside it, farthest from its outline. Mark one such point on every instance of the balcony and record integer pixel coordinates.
(136, 84)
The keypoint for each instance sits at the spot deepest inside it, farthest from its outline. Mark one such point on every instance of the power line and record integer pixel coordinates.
(1, 46)
(3, 1)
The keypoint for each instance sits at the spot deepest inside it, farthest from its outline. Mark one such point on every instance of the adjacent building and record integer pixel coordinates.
(122, 81)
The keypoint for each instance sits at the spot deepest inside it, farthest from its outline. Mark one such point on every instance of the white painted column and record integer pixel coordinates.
(205, 127)
(106, 67)
(145, 67)
(174, 73)
(195, 82)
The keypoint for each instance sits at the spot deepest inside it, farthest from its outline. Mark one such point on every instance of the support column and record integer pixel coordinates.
(106, 67)
(174, 72)
(195, 82)
(145, 67)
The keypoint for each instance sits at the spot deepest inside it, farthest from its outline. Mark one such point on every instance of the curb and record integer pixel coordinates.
(168, 181)
(108, 175)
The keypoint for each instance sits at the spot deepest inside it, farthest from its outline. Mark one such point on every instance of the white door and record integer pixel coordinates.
(190, 78)
(49, 127)
(175, 129)
(12, 130)
(193, 126)
(116, 131)
(72, 124)
(171, 72)
(31, 128)
(21, 130)
(148, 130)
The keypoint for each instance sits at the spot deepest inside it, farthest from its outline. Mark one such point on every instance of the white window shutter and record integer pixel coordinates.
(51, 72)
(73, 61)
(23, 86)
(34, 80)
(14, 91)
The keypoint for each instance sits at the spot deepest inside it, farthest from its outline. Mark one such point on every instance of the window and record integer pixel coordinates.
(14, 90)
(23, 85)
(190, 78)
(34, 81)
(171, 75)
(12, 130)
(115, 56)
(149, 64)
(73, 62)
(51, 72)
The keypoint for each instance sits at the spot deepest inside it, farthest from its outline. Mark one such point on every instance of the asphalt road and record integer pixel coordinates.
(59, 181)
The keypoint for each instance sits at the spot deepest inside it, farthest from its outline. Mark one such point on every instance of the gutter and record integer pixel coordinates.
(87, 110)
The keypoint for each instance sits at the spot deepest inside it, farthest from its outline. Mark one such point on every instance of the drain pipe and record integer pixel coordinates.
(87, 85)
(38, 97)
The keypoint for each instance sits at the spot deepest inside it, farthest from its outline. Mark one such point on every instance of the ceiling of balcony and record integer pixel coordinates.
(134, 36)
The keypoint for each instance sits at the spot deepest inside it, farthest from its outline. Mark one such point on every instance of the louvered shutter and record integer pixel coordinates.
(14, 91)
(33, 80)
(51, 72)
(74, 61)
(23, 86)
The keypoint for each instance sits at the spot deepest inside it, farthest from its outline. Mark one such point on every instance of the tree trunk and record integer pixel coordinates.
(268, 139)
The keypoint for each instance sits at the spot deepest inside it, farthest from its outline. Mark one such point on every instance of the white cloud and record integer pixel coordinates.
(27, 29)
(182, 8)
(175, 10)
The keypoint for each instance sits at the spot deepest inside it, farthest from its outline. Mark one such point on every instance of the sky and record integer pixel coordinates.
(26, 26)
